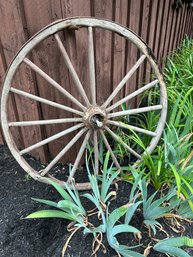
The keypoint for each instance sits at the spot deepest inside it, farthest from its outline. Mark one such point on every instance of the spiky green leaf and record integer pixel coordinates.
(48, 202)
(50, 214)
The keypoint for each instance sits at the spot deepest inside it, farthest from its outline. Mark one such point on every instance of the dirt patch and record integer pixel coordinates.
(46, 237)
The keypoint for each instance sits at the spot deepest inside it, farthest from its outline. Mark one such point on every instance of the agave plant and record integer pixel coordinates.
(112, 230)
(172, 246)
(70, 207)
(185, 208)
(102, 194)
(152, 208)
(155, 209)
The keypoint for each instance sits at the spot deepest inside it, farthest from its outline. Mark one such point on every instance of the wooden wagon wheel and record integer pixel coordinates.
(92, 120)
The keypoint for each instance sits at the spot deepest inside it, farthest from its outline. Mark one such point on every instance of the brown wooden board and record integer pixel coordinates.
(158, 30)
(179, 40)
(177, 28)
(163, 32)
(143, 32)
(77, 46)
(133, 53)
(173, 30)
(168, 29)
(17, 134)
(41, 57)
(151, 33)
(12, 38)
(119, 53)
(191, 27)
(175, 34)
(48, 57)
(189, 23)
(103, 48)
(184, 22)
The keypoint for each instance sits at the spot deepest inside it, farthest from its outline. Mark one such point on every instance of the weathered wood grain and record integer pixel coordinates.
(119, 51)
(157, 22)
(12, 38)
(133, 53)
(103, 48)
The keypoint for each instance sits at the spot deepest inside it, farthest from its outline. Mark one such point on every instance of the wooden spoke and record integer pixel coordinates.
(61, 153)
(124, 80)
(96, 153)
(43, 122)
(79, 156)
(130, 96)
(52, 138)
(45, 101)
(53, 83)
(87, 119)
(110, 149)
(118, 139)
(135, 111)
(91, 65)
(130, 127)
(72, 70)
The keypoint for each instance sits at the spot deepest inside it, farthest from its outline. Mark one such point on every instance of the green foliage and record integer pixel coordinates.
(70, 207)
(172, 160)
(155, 209)
(152, 208)
(101, 195)
(185, 208)
(171, 166)
(171, 246)
(113, 230)
(179, 70)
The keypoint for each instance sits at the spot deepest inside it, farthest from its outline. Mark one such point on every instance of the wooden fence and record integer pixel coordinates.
(159, 24)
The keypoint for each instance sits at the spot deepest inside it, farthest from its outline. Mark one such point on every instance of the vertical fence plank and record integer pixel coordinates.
(12, 38)
(134, 24)
(103, 48)
(191, 27)
(163, 32)
(12, 111)
(143, 32)
(185, 22)
(182, 22)
(151, 33)
(159, 29)
(48, 57)
(173, 29)
(168, 30)
(77, 48)
(189, 23)
(118, 46)
(40, 56)
(178, 19)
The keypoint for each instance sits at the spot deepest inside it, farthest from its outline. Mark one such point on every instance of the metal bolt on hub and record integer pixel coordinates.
(88, 117)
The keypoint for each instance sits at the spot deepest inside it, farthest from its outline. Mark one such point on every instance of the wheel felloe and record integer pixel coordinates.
(90, 120)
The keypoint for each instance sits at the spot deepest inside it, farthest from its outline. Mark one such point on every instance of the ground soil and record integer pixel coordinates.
(45, 237)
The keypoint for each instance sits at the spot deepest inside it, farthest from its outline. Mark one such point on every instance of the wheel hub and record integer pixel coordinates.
(95, 117)
(91, 118)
